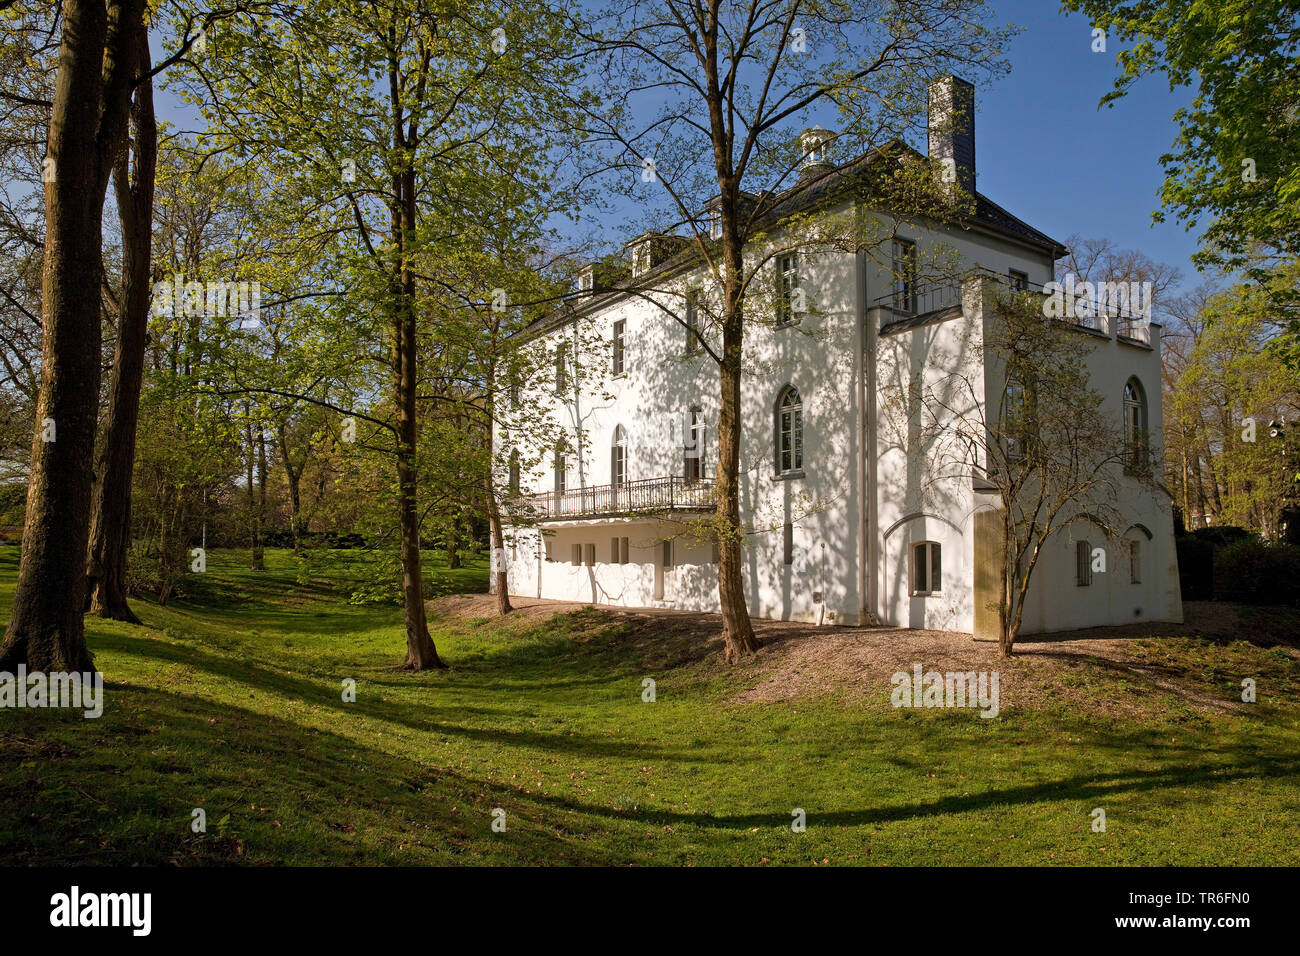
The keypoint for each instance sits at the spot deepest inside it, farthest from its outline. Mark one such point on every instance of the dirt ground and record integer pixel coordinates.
(804, 659)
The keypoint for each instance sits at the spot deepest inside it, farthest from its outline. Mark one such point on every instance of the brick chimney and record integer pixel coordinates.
(952, 128)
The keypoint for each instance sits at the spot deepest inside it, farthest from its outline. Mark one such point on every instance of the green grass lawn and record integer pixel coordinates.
(231, 701)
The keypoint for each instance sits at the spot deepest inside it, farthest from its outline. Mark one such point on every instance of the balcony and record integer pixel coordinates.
(1095, 307)
(648, 496)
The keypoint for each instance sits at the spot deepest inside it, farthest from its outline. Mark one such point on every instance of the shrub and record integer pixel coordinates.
(1255, 572)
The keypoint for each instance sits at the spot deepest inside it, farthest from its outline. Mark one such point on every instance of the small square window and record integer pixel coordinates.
(1019, 281)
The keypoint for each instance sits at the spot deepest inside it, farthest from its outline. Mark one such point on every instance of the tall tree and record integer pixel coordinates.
(87, 120)
(362, 108)
(133, 179)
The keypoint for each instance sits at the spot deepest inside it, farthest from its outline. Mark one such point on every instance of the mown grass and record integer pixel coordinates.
(232, 702)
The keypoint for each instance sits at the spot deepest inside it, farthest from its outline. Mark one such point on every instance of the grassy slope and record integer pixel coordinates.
(232, 702)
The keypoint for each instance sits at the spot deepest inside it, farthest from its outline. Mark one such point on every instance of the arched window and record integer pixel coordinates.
(618, 458)
(789, 432)
(1013, 420)
(1135, 425)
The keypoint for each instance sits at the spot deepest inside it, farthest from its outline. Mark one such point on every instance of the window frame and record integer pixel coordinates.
(1018, 279)
(694, 341)
(925, 568)
(1083, 563)
(560, 467)
(787, 283)
(1135, 424)
(903, 262)
(513, 472)
(618, 348)
(618, 458)
(794, 452)
(561, 369)
(696, 433)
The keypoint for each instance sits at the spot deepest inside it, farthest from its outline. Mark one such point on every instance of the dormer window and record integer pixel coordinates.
(715, 223)
(587, 279)
(641, 258)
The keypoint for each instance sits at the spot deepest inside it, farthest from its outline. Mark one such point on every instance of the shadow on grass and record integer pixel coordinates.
(416, 716)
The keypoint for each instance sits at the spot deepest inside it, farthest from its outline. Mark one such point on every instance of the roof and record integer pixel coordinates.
(801, 196)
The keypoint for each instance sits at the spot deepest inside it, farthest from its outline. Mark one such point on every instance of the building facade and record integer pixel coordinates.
(845, 521)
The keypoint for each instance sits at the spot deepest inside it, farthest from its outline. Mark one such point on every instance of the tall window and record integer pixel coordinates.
(787, 288)
(1135, 562)
(561, 471)
(1083, 563)
(514, 472)
(693, 344)
(618, 458)
(693, 445)
(789, 432)
(618, 347)
(1013, 420)
(561, 369)
(1135, 426)
(927, 567)
(904, 268)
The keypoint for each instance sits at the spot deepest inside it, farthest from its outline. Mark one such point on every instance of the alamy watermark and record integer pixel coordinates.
(241, 300)
(56, 689)
(950, 689)
(1072, 299)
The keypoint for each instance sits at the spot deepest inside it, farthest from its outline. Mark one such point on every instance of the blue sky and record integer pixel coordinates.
(1043, 149)
(1046, 153)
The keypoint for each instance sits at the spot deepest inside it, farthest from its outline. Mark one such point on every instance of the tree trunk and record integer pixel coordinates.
(421, 654)
(494, 511)
(259, 546)
(453, 543)
(294, 478)
(254, 524)
(88, 116)
(110, 525)
(1005, 638)
(737, 631)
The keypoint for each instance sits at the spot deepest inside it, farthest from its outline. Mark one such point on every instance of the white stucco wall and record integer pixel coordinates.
(851, 540)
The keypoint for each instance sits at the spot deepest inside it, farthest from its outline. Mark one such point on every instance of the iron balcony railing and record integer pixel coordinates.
(1082, 305)
(647, 496)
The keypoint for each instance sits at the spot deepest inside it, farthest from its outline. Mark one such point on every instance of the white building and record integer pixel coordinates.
(843, 525)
